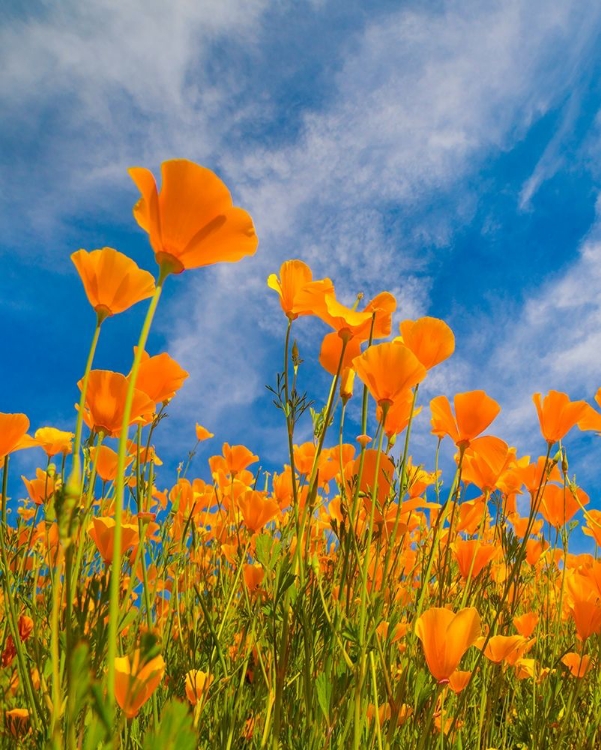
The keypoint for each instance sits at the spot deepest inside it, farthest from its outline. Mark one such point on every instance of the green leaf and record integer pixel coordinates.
(175, 730)
(267, 550)
(324, 694)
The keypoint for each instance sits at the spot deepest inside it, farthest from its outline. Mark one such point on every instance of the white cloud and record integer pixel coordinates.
(420, 100)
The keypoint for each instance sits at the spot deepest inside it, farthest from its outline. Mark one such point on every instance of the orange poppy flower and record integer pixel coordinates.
(16, 722)
(106, 462)
(474, 412)
(578, 664)
(234, 460)
(430, 339)
(13, 434)
(587, 618)
(507, 648)
(485, 461)
(53, 441)
(192, 222)
(197, 685)
(40, 489)
(331, 353)
(367, 480)
(136, 682)
(472, 556)
(253, 576)
(112, 281)
(557, 414)
(525, 624)
(389, 369)
(593, 527)
(159, 377)
(446, 637)
(102, 532)
(559, 504)
(348, 322)
(297, 290)
(105, 401)
(347, 383)
(257, 510)
(459, 680)
(534, 550)
(399, 414)
(202, 433)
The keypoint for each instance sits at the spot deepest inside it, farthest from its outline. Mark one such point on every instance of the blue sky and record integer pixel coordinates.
(447, 152)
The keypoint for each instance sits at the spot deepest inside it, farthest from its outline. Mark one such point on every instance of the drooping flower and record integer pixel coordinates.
(446, 637)
(192, 221)
(136, 682)
(112, 281)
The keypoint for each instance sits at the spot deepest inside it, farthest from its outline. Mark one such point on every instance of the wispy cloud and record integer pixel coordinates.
(371, 181)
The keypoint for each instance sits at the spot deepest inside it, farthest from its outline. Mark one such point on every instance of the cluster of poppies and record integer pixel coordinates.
(347, 596)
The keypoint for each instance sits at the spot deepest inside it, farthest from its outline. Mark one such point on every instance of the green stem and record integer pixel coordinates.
(120, 492)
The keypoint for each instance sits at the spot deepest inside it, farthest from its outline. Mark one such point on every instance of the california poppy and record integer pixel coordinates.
(202, 433)
(374, 319)
(485, 460)
(40, 489)
(446, 637)
(102, 532)
(507, 648)
(257, 510)
(557, 414)
(234, 460)
(472, 556)
(388, 369)
(253, 575)
(430, 339)
(105, 402)
(197, 685)
(136, 682)
(331, 357)
(106, 462)
(474, 412)
(13, 434)
(192, 221)
(296, 288)
(112, 281)
(160, 377)
(53, 441)
(578, 664)
(559, 504)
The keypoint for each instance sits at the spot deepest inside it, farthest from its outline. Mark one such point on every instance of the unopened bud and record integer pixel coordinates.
(347, 381)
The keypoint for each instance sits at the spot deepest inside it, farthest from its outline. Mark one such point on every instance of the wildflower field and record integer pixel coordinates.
(353, 599)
